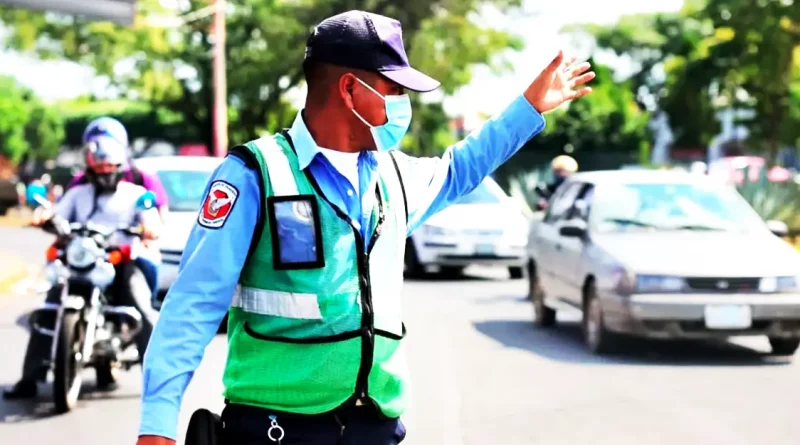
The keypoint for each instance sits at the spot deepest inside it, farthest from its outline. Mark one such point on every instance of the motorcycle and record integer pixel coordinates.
(88, 331)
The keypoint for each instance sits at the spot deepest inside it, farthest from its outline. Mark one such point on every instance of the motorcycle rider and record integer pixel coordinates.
(562, 166)
(108, 126)
(107, 201)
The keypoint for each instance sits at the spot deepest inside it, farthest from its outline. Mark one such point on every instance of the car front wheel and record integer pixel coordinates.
(784, 346)
(595, 334)
(543, 316)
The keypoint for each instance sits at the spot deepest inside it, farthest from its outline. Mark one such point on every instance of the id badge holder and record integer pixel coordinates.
(296, 233)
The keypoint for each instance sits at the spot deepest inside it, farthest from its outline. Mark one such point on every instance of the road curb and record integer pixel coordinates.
(13, 221)
(14, 271)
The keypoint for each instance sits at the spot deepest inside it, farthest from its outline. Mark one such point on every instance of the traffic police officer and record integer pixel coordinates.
(302, 236)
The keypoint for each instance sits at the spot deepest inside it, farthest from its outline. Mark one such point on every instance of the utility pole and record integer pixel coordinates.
(220, 126)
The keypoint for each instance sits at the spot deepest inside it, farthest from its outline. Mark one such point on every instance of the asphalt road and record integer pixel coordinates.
(482, 375)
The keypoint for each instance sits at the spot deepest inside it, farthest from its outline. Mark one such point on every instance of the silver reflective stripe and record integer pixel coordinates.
(281, 177)
(280, 304)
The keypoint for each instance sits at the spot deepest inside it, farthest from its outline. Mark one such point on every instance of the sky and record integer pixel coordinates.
(487, 93)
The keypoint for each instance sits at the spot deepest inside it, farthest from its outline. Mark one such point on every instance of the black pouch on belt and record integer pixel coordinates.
(205, 428)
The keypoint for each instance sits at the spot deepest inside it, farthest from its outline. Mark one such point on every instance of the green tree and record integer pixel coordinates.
(171, 67)
(607, 120)
(601, 130)
(761, 57)
(672, 71)
(27, 125)
(714, 54)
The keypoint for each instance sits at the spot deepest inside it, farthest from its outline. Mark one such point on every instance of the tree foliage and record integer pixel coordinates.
(171, 67)
(608, 119)
(27, 125)
(711, 55)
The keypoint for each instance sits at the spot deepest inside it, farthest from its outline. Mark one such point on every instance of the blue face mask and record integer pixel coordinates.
(398, 119)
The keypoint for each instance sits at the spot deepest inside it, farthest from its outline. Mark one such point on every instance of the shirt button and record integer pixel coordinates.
(349, 193)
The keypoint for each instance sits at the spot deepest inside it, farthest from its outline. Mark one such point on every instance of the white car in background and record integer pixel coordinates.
(485, 227)
(184, 179)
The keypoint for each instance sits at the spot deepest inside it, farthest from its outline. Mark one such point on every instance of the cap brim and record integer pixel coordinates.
(412, 79)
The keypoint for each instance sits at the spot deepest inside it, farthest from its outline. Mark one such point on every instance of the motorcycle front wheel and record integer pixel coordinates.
(68, 363)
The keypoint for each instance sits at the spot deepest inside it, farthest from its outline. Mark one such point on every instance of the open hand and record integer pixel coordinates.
(41, 215)
(560, 82)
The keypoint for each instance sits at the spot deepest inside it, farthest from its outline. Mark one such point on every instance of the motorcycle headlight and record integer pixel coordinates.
(659, 283)
(81, 253)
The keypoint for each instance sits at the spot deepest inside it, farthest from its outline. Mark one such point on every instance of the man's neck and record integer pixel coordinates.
(327, 131)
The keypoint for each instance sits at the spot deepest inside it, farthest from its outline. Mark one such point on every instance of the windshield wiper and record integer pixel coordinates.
(696, 227)
(630, 222)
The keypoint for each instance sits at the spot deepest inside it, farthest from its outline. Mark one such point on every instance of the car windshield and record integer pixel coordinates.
(481, 195)
(184, 188)
(672, 206)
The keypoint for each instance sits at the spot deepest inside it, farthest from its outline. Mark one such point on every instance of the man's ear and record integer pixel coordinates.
(346, 83)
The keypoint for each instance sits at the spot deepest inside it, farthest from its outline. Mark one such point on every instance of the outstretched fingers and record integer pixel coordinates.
(581, 80)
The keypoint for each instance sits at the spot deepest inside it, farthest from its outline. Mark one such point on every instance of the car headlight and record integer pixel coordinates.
(619, 280)
(779, 284)
(81, 253)
(438, 231)
(659, 283)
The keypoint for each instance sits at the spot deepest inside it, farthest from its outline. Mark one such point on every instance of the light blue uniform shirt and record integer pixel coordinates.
(213, 258)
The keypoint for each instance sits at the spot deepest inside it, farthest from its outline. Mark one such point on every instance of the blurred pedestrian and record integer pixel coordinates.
(562, 167)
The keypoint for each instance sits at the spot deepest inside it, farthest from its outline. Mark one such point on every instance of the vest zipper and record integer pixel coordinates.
(367, 318)
(367, 315)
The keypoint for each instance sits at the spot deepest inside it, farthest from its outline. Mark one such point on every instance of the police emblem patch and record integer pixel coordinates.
(218, 205)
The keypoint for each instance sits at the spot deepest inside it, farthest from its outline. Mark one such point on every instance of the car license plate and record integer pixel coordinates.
(484, 249)
(728, 316)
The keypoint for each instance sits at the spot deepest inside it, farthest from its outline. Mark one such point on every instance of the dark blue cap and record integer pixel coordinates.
(369, 42)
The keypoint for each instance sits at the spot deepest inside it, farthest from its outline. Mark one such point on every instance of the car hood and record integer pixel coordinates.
(480, 217)
(683, 253)
(176, 230)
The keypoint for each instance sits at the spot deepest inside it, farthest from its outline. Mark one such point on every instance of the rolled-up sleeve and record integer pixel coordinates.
(434, 183)
(198, 300)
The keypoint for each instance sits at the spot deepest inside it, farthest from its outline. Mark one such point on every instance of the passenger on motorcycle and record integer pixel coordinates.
(562, 166)
(110, 202)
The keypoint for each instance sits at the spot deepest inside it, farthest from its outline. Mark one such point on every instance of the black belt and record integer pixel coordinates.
(265, 412)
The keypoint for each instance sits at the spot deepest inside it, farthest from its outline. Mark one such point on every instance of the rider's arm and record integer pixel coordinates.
(432, 184)
(197, 301)
(151, 223)
(65, 207)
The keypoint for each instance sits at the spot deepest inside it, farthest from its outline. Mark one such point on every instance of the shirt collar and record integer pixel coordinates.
(306, 148)
(303, 142)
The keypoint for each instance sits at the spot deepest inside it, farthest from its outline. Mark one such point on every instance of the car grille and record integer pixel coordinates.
(483, 232)
(723, 284)
(171, 256)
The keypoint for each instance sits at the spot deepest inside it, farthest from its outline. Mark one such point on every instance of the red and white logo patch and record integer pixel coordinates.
(217, 205)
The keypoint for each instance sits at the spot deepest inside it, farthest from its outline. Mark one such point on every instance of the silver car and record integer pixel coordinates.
(663, 254)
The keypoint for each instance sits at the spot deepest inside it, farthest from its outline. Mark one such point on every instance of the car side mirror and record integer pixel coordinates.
(574, 229)
(779, 228)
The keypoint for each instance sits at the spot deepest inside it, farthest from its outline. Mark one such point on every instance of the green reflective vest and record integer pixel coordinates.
(316, 320)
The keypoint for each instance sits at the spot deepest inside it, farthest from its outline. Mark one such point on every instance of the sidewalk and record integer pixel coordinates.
(12, 271)
(16, 217)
